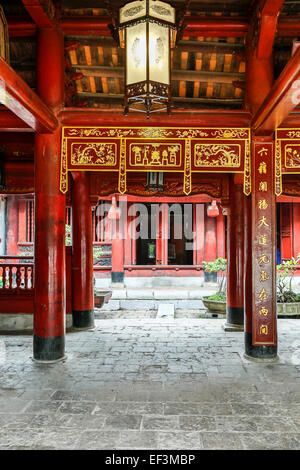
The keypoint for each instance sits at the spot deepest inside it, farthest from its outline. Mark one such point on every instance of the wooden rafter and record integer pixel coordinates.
(268, 26)
(205, 26)
(9, 122)
(282, 99)
(206, 47)
(42, 12)
(187, 75)
(118, 98)
(18, 97)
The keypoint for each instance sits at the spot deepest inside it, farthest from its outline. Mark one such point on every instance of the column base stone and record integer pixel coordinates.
(117, 278)
(232, 327)
(83, 319)
(48, 350)
(234, 319)
(259, 353)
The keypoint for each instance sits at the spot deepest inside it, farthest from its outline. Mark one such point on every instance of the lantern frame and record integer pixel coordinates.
(147, 95)
(4, 38)
(154, 181)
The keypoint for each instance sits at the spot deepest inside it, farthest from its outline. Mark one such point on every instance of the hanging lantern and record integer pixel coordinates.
(155, 181)
(4, 41)
(213, 210)
(147, 32)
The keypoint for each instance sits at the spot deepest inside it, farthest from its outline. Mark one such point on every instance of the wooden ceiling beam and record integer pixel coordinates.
(213, 47)
(19, 98)
(186, 75)
(180, 117)
(195, 26)
(194, 6)
(19, 28)
(105, 97)
(206, 27)
(282, 99)
(42, 13)
(268, 27)
(9, 122)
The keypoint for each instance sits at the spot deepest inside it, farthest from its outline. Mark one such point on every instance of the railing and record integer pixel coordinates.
(16, 274)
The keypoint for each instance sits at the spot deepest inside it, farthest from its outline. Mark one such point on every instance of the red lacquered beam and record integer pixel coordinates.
(280, 100)
(98, 26)
(212, 27)
(20, 28)
(203, 118)
(40, 12)
(9, 122)
(86, 26)
(17, 96)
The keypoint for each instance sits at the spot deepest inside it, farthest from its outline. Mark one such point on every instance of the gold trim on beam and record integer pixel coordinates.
(247, 169)
(122, 172)
(278, 172)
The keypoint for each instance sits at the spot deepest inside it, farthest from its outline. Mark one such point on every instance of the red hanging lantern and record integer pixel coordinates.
(213, 209)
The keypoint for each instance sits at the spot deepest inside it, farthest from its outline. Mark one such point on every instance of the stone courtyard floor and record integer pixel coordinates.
(151, 384)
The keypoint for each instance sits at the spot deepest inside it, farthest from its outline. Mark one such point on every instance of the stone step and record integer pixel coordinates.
(159, 294)
(153, 304)
(166, 311)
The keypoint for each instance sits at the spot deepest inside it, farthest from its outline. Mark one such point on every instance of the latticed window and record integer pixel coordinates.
(29, 221)
(68, 216)
(101, 227)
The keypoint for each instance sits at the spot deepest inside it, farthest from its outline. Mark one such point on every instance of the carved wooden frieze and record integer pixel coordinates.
(140, 149)
(287, 155)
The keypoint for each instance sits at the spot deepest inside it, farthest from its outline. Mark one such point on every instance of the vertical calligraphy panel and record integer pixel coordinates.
(264, 244)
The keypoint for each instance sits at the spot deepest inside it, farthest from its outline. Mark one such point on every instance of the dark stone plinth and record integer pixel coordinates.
(259, 353)
(49, 349)
(234, 319)
(117, 277)
(83, 319)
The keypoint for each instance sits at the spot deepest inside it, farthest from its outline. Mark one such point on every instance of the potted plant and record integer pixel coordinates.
(68, 235)
(211, 269)
(288, 301)
(216, 303)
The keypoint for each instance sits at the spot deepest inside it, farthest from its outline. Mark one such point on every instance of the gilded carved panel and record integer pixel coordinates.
(182, 150)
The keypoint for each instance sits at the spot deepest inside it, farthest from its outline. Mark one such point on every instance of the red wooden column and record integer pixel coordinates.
(260, 256)
(50, 292)
(260, 314)
(22, 221)
(165, 229)
(221, 235)
(235, 259)
(82, 253)
(117, 247)
(127, 235)
(296, 229)
(12, 225)
(199, 233)
(162, 233)
(210, 242)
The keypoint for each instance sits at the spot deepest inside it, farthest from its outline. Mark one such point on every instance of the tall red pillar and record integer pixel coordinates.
(50, 291)
(260, 226)
(260, 256)
(12, 225)
(210, 242)
(82, 253)
(235, 260)
(117, 246)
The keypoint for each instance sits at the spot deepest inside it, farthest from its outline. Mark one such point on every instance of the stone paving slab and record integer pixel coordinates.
(165, 311)
(151, 384)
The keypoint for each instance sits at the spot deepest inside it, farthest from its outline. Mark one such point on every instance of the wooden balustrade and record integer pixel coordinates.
(16, 273)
